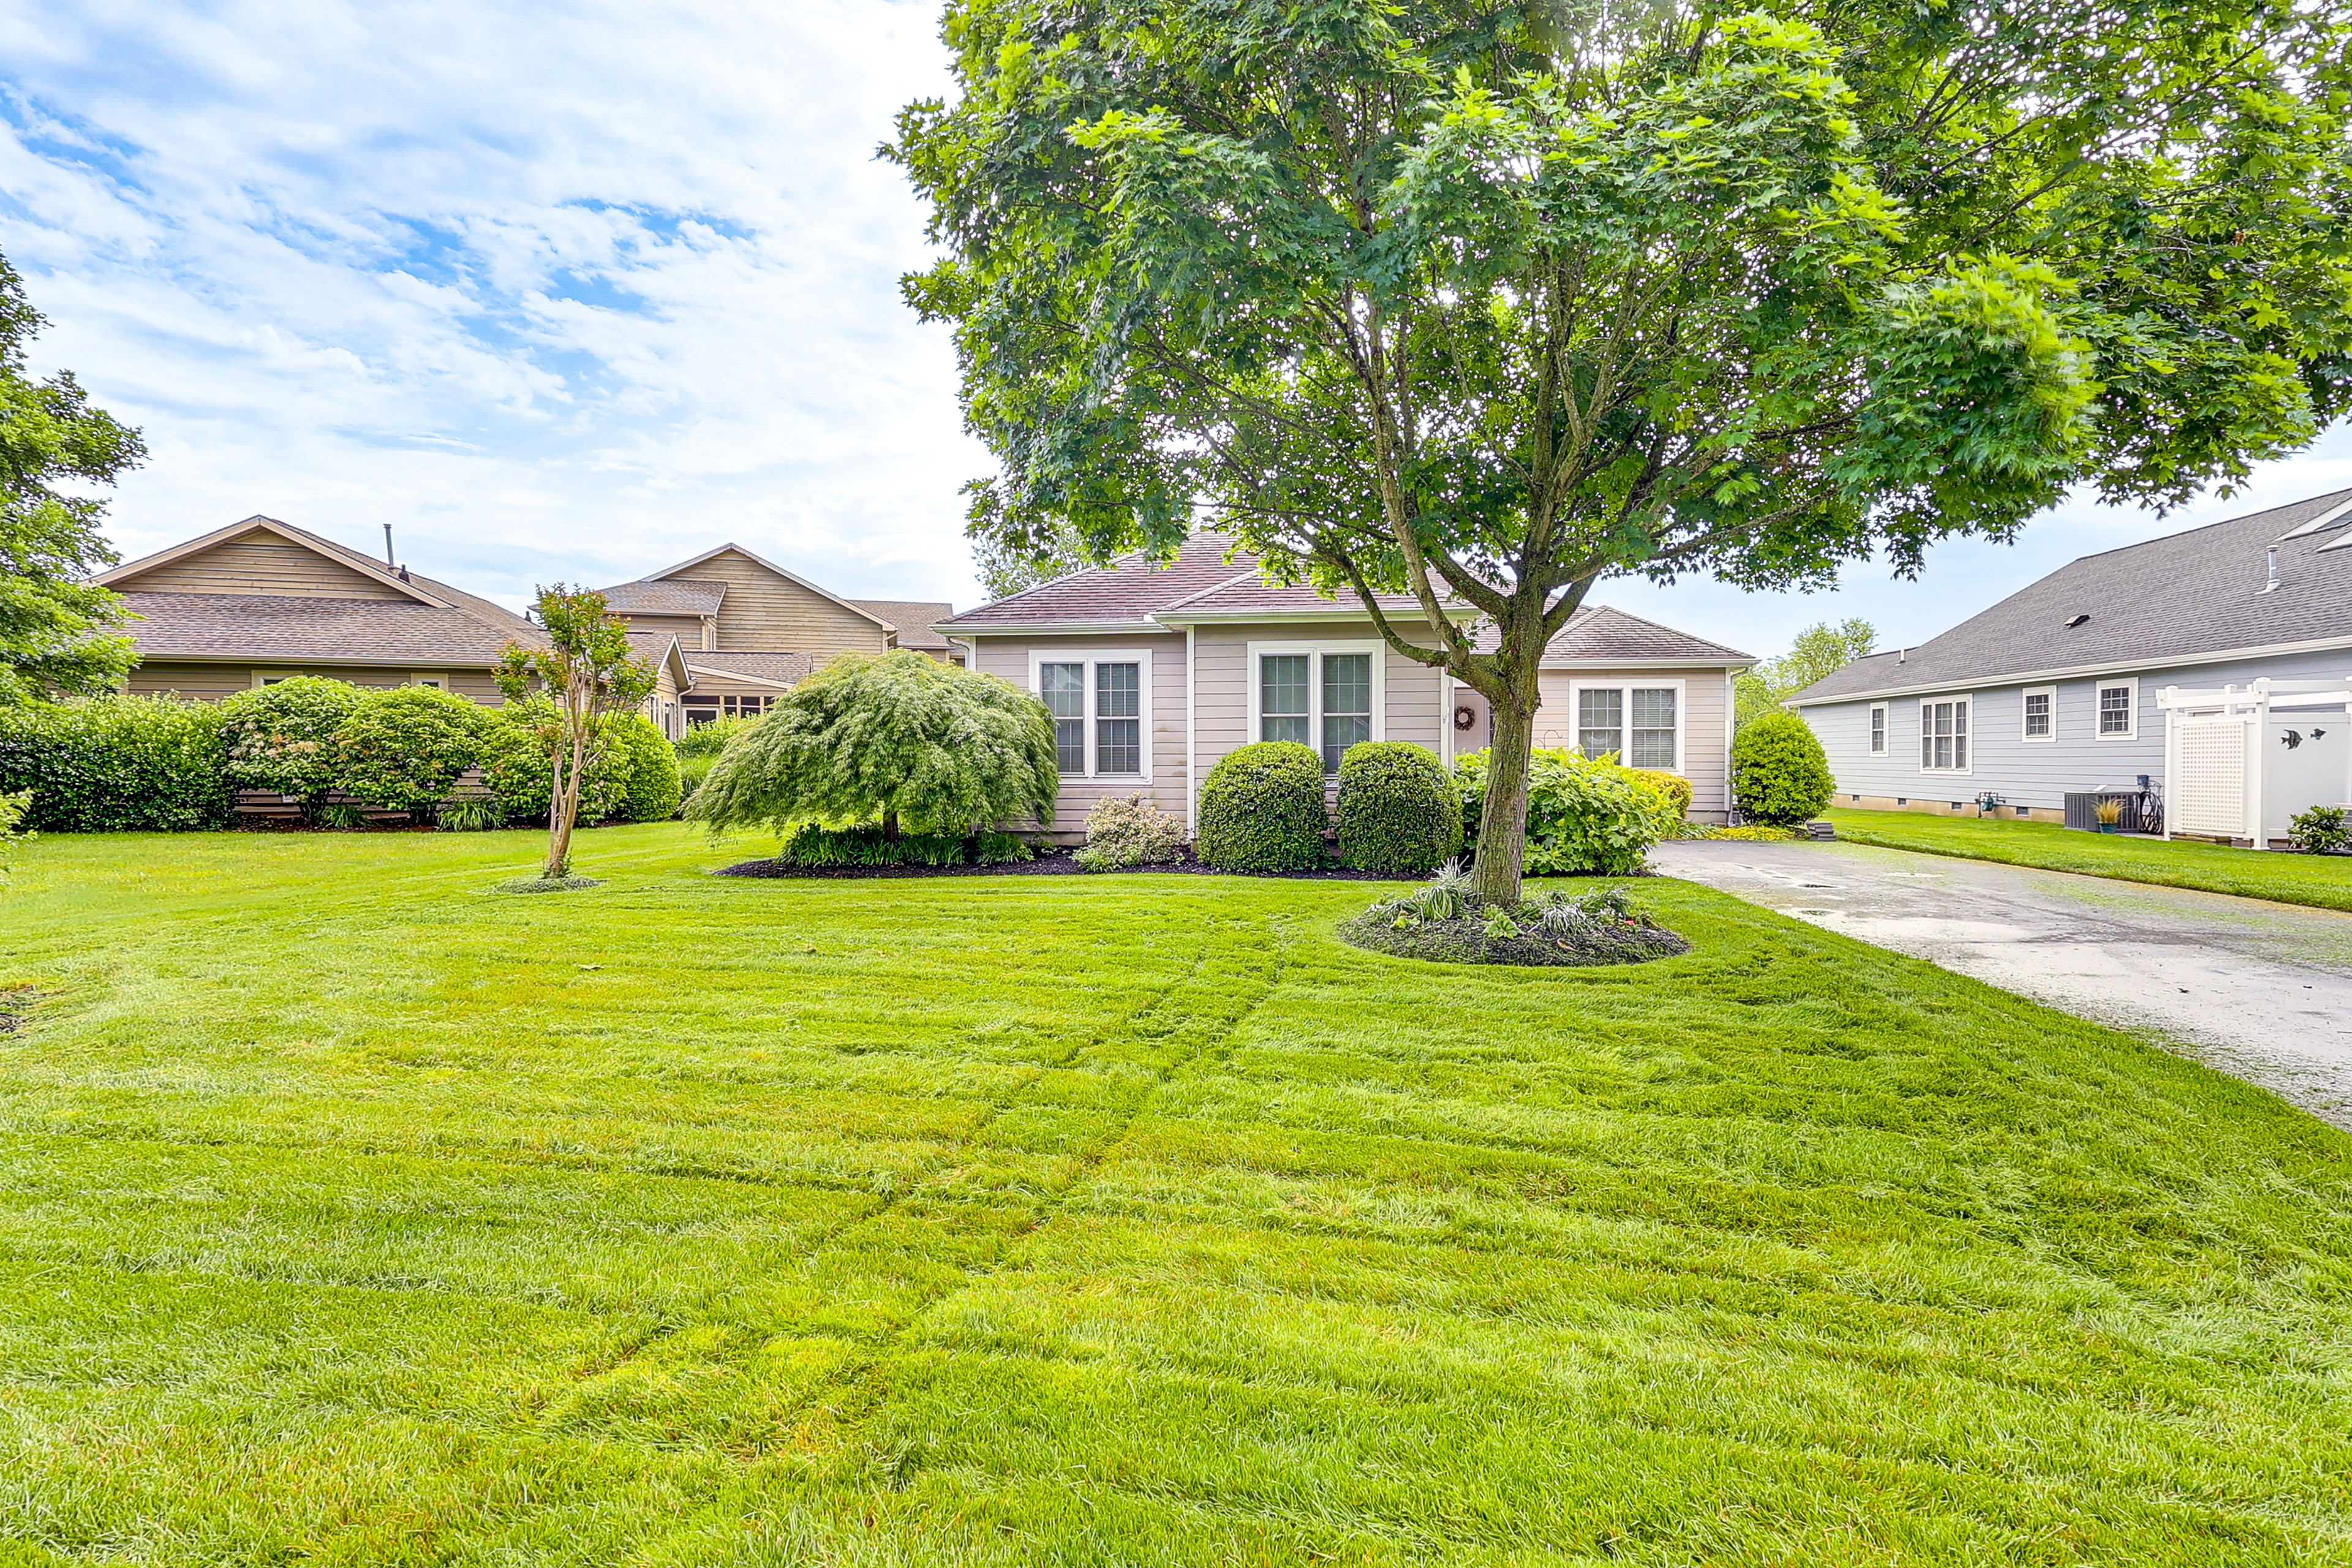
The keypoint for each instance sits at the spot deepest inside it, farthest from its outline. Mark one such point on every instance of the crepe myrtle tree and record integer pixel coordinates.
(1484, 302)
(586, 670)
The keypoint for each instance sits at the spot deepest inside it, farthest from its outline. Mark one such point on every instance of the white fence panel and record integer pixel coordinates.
(2208, 793)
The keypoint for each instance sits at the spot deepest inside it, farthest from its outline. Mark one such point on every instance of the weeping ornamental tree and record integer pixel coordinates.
(1483, 303)
(894, 738)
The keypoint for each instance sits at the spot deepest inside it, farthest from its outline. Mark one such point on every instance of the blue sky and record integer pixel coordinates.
(580, 290)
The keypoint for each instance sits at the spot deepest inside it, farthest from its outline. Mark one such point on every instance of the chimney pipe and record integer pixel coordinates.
(1902, 655)
(387, 547)
(2270, 585)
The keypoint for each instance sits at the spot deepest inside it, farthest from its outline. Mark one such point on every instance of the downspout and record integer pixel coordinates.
(1191, 738)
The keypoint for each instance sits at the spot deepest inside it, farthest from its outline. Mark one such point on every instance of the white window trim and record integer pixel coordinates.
(431, 678)
(1970, 699)
(1877, 710)
(1141, 658)
(262, 678)
(2131, 684)
(2025, 697)
(1682, 715)
(1379, 650)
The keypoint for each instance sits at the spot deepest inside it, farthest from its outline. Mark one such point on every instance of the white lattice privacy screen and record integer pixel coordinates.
(2209, 791)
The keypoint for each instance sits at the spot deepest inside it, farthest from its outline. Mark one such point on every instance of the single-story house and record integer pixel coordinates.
(2062, 689)
(749, 629)
(1154, 672)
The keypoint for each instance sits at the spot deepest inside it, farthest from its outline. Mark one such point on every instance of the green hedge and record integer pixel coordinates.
(1397, 812)
(1583, 816)
(111, 764)
(1779, 774)
(646, 766)
(282, 737)
(1262, 809)
(404, 748)
(1673, 786)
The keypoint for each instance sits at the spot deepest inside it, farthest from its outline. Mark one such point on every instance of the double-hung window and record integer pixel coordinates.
(1641, 726)
(2040, 713)
(1100, 711)
(1944, 735)
(1878, 729)
(1324, 696)
(2118, 709)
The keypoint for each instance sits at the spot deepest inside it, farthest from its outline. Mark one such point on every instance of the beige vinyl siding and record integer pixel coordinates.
(1164, 780)
(1413, 707)
(261, 563)
(1705, 698)
(763, 612)
(213, 681)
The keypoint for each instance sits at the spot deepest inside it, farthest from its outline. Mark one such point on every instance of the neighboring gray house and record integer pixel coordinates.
(1155, 673)
(2060, 687)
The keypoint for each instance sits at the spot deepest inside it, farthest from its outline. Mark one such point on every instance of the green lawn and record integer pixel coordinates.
(354, 1215)
(2325, 881)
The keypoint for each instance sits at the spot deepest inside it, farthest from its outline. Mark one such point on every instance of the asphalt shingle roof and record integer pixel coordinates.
(2186, 595)
(785, 667)
(1602, 634)
(264, 626)
(1119, 594)
(913, 618)
(667, 596)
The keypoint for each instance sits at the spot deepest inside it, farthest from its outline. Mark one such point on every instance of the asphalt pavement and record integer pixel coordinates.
(2258, 989)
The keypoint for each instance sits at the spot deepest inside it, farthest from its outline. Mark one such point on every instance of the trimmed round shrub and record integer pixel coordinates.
(1673, 786)
(403, 749)
(647, 767)
(1262, 809)
(1584, 818)
(282, 737)
(114, 764)
(1779, 774)
(515, 765)
(1397, 812)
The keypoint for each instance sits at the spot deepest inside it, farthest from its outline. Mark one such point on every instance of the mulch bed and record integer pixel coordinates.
(1464, 940)
(1057, 863)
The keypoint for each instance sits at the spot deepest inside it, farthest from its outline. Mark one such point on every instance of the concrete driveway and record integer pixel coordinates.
(2260, 990)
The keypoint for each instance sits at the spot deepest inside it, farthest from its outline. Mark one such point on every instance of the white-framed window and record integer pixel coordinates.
(1639, 722)
(272, 677)
(433, 678)
(2118, 710)
(1877, 730)
(1329, 695)
(745, 707)
(1101, 704)
(2041, 722)
(1944, 734)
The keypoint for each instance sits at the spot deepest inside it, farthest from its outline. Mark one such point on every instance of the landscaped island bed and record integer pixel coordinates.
(2322, 881)
(357, 1215)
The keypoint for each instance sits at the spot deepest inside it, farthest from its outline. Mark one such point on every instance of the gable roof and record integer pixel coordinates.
(684, 566)
(2188, 597)
(263, 628)
(662, 648)
(671, 596)
(1604, 635)
(1122, 595)
(424, 591)
(913, 619)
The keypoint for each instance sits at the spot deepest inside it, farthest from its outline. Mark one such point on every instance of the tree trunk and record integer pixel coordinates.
(1503, 822)
(563, 808)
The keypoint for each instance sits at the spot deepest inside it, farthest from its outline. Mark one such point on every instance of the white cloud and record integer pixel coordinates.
(577, 291)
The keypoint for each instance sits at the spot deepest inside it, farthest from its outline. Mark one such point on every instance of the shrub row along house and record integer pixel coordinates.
(2213, 664)
(261, 600)
(1154, 673)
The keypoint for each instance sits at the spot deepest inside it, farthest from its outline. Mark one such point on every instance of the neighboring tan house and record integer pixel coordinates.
(1155, 673)
(749, 630)
(261, 600)
(2097, 676)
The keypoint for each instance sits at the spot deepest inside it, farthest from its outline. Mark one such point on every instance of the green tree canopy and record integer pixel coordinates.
(584, 668)
(1484, 301)
(1819, 650)
(894, 737)
(52, 622)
